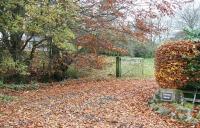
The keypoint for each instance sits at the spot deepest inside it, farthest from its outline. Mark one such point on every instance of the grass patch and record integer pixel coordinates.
(6, 98)
(149, 67)
(128, 67)
(20, 87)
(72, 72)
(189, 105)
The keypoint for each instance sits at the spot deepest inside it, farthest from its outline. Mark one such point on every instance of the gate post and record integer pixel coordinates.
(118, 66)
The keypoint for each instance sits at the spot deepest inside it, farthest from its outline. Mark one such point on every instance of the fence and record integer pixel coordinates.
(129, 67)
(124, 67)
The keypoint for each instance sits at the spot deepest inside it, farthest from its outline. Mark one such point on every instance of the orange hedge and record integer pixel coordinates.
(171, 63)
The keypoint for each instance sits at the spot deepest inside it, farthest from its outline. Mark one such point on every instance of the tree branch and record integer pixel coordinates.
(26, 42)
(33, 50)
(40, 42)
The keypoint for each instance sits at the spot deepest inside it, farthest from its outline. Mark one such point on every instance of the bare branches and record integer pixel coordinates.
(190, 17)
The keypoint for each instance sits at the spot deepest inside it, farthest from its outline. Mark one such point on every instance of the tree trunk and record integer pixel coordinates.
(15, 46)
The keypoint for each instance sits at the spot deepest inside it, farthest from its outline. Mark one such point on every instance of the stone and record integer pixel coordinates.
(194, 121)
(182, 109)
(189, 117)
(173, 115)
(163, 111)
(167, 95)
(170, 95)
(182, 117)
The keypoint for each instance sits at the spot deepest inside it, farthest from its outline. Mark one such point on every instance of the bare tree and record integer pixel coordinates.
(189, 17)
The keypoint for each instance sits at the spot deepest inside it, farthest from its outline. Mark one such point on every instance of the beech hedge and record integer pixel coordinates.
(172, 62)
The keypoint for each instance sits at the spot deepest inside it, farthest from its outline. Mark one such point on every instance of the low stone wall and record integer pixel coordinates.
(170, 95)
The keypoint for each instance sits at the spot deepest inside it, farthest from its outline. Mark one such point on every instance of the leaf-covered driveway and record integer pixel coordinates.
(79, 104)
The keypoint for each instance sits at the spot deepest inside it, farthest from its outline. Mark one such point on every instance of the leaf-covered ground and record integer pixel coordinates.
(86, 104)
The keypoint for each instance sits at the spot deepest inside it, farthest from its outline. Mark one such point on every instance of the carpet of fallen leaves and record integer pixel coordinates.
(86, 104)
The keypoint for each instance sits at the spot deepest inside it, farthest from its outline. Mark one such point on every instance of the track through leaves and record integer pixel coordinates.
(106, 103)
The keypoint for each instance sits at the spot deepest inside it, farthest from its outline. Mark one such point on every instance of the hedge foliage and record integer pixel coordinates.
(172, 63)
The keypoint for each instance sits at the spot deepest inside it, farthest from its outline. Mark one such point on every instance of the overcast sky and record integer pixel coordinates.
(174, 22)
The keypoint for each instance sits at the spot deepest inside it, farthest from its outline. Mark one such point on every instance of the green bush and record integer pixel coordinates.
(110, 53)
(142, 50)
(11, 71)
(5, 98)
(1, 83)
(72, 72)
(192, 70)
(21, 87)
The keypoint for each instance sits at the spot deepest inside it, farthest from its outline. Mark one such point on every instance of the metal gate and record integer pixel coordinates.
(129, 67)
(122, 67)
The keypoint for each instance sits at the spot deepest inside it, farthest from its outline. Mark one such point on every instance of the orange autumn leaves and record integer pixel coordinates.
(127, 19)
(171, 63)
(98, 43)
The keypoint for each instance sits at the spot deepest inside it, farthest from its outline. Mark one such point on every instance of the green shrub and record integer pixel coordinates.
(72, 72)
(21, 87)
(9, 66)
(142, 50)
(38, 69)
(1, 83)
(111, 53)
(193, 73)
(11, 71)
(6, 98)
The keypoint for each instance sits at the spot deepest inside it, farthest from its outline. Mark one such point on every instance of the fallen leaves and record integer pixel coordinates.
(110, 103)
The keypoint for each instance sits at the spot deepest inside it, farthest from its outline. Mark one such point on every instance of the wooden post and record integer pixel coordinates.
(118, 66)
(142, 61)
(50, 57)
(195, 95)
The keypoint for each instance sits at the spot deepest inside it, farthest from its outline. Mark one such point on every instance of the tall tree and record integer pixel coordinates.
(121, 18)
(189, 17)
(42, 18)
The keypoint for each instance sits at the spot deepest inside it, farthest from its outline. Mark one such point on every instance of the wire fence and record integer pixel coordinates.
(124, 67)
(132, 67)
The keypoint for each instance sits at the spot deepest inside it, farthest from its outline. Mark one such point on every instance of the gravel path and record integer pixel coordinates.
(94, 104)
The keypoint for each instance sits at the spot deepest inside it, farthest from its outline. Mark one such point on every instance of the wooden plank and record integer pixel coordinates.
(190, 92)
(191, 99)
